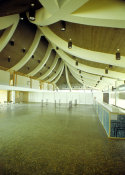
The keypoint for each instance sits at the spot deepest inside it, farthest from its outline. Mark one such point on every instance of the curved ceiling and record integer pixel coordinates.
(39, 48)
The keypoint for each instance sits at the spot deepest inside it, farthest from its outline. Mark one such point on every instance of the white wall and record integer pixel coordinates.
(3, 96)
(23, 81)
(35, 84)
(117, 98)
(63, 97)
(98, 95)
(4, 77)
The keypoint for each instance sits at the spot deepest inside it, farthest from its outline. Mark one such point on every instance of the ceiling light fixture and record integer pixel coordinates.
(117, 55)
(9, 59)
(63, 25)
(110, 66)
(106, 70)
(12, 42)
(76, 62)
(22, 16)
(70, 44)
(32, 12)
(23, 50)
(100, 78)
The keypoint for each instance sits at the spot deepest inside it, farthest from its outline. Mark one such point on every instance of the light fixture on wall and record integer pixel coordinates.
(32, 12)
(106, 70)
(63, 25)
(70, 44)
(117, 55)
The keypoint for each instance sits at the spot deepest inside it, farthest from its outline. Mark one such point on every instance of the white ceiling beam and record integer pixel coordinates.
(8, 33)
(29, 53)
(67, 78)
(57, 72)
(47, 73)
(89, 69)
(43, 61)
(84, 54)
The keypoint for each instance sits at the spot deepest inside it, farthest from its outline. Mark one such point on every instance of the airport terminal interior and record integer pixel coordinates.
(62, 87)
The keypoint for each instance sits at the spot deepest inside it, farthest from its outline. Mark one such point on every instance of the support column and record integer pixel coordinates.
(11, 96)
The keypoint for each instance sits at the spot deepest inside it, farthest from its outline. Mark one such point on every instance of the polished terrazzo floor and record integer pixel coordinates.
(44, 140)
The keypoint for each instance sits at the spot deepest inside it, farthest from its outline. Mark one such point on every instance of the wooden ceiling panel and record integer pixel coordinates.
(98, 65)
(54, 71)
(36, 58)
(9, 7)
(47, 65)
(72, 80)
(101, 39)
(21, 40)
(1, 32)
(61, 83)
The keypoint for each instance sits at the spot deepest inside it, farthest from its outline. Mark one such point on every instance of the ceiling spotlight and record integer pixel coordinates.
(23, 50)
(63, 25)
(32, 12)
(9, 59)
(117, 55)
(106, 70)
(32, 4)
(76, 63)
(22, 16)
(12, 42)
(110, 66)
(70, 44)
